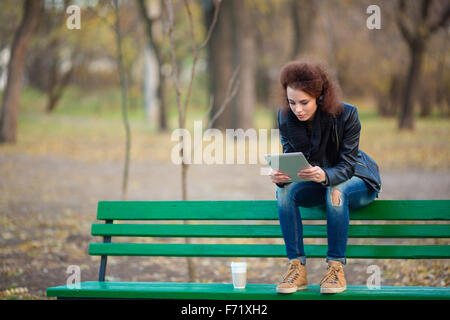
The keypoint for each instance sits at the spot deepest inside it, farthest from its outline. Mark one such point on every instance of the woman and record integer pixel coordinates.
(341, 176)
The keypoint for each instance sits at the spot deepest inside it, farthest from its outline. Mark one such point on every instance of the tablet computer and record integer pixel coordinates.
(289, 163)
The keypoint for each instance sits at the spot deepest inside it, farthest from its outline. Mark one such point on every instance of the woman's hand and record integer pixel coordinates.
(315, 174)
(278, 176)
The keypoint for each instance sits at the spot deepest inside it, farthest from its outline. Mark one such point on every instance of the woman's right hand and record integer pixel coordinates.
(278, 176)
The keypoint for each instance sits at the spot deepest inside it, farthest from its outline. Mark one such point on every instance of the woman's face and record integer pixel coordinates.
(302, 104)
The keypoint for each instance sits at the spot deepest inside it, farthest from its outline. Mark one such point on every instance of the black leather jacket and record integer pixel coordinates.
(343, 153)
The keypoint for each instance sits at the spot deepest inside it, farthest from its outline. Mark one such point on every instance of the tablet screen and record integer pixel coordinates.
(289, 163)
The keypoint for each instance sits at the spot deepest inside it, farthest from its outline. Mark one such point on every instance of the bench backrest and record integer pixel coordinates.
(220, 211)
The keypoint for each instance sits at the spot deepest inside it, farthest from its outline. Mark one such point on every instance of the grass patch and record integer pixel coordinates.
(88, 126)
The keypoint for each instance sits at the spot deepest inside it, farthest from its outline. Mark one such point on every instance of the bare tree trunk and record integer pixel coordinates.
(190, 263)
(232, 45)
(56, 86)
(20, 46)
(246, 97)
(220, 61)
(406, 120)
(426, 106)
(183, 107)
(54, 96)
(427, 90)
(123, 85)
(388, 103)
(442, 92)
(162, 102)
(155, 46)
(303, 14)
(331, 40)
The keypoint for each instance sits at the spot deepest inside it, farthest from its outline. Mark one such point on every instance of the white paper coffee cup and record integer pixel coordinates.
(239, 274)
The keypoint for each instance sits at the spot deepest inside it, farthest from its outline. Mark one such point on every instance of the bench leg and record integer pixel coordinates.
(102, 271)
(104, 259)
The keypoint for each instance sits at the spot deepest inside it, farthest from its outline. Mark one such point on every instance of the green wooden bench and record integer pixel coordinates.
(110, 211)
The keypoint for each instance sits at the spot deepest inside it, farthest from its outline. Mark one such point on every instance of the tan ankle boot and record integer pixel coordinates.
(294, 279)
(334, 279)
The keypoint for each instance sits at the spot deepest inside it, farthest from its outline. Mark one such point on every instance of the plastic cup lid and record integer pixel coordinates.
(239, 264)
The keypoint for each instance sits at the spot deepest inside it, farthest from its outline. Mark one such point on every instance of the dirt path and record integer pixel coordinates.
(48, 203)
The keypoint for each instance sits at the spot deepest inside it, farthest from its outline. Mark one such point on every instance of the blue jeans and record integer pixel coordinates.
(354, 193)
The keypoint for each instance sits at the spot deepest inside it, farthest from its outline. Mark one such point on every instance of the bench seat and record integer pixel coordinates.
(225, 291)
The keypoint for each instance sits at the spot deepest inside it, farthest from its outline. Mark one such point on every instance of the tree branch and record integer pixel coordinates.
(211, 104)
(169, 8)
(401, 23)
(194, 46)
(444, 19)
(425, 9)
(143, 8)
(231, 92)
(213, 24)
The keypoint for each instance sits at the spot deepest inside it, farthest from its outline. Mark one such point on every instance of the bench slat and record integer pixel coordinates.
(266, 250)
(265, 210)
(163, 290)
(266, 231)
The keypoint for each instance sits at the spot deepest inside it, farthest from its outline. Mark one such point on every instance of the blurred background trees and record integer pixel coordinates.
(19, 49)
(416, 27)
(401, 68)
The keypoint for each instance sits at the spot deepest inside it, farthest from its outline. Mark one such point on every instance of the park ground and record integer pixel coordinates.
(64, 163)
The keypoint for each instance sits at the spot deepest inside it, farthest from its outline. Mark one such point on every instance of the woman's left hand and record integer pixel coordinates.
(315, 174)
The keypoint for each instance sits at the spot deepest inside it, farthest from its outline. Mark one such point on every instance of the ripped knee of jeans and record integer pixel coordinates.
(336, 197)
(283, 196)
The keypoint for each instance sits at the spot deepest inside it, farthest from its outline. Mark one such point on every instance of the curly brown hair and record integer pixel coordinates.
(315, 79)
